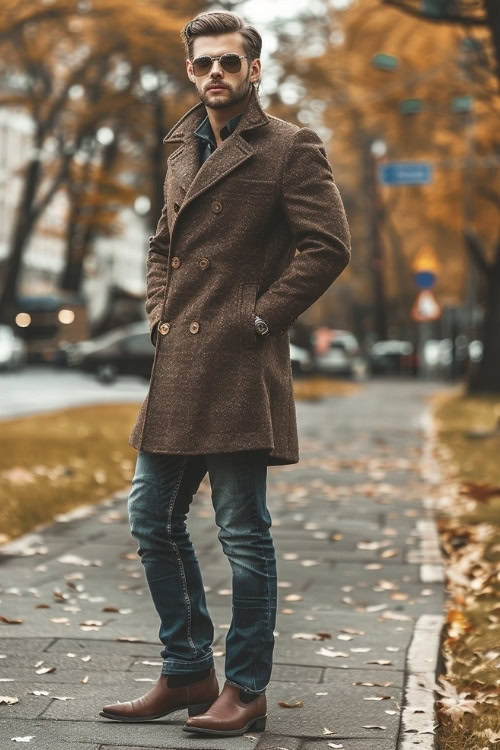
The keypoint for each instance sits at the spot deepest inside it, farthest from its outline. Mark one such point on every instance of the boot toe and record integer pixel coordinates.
(114, 709)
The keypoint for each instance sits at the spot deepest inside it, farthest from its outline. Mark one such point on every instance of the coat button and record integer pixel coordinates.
(203, 263)
(175, 262)
(194, 327)
(176, 207)
(216, 207)
(164, 328)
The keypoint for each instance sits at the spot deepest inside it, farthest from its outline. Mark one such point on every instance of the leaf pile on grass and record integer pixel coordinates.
(316, 387)
(51, 463)
(468, 508)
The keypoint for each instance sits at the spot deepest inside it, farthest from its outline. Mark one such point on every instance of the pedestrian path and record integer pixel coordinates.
(347, 526)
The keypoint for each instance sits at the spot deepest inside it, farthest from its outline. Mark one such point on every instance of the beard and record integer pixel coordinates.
(235, 95)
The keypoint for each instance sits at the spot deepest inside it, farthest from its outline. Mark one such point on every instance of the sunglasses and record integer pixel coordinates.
(230, 62)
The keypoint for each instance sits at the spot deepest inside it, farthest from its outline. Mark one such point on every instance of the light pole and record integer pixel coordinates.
(378, 149)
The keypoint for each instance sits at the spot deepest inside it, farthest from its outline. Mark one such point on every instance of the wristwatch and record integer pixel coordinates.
(261, 326)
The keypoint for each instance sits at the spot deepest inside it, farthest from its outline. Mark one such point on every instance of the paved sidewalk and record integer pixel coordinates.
(347, 524)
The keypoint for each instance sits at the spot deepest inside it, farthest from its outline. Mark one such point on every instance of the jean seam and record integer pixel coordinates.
(179, 559)
(267, 579)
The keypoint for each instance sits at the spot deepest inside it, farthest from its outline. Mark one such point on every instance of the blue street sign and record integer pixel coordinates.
(405, 173)
(425, 279)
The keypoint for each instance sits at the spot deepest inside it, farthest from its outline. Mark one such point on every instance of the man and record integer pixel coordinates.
(243, 191)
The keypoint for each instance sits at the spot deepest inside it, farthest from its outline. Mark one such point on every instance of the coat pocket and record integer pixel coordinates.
(246, 306)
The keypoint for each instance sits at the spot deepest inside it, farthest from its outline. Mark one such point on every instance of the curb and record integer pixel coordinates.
(418, 717)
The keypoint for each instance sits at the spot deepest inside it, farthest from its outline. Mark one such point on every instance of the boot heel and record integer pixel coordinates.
(199, 708)
(258, 725)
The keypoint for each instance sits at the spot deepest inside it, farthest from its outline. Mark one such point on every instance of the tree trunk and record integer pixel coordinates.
(485, 375)
(492, 8)
(23, 227)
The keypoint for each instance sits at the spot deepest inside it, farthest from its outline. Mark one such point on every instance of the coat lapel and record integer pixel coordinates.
(233, 151)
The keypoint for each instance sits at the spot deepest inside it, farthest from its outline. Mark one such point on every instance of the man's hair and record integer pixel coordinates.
(212, 22)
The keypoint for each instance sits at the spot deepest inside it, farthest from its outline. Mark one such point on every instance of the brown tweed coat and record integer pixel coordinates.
(224, 248)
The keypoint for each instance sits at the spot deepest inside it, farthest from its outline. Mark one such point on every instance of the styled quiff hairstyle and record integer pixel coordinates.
(212, 22)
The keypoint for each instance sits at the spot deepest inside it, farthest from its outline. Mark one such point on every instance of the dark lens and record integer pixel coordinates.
(202, 65)
(230, 62)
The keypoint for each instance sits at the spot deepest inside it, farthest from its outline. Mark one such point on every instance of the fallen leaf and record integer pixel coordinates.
(377, 697)
(85, 679)
(8, 700)
(330, 652)
(62, 698)
(352, 631)
(383, 662)
(9, 621)
(293, 598)
(70, 559)
(39, 692)
(296, 704)
(373, 726)
(45, 670)
(130, 639)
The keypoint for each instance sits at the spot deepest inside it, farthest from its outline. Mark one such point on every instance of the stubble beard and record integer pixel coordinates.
(236, 95)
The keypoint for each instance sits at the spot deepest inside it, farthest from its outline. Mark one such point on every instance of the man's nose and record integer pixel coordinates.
(217, 68)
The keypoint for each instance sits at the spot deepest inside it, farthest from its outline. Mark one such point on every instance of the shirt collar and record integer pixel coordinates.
(205, 132)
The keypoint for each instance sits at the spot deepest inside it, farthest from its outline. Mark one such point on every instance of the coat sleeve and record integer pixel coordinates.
(156, 272)
(317, 220)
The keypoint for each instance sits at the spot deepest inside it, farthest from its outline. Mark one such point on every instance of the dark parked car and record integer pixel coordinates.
(393, 356)
(123, 351)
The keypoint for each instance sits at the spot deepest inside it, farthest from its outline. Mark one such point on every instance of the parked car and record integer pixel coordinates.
(126, 350)
(301, 360)
(343, 356)
(13, 354)
(392, 356)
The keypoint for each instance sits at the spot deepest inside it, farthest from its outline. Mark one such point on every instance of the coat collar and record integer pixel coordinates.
(233, 151)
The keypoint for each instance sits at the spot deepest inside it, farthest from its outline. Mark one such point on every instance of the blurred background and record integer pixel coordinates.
(404, 93)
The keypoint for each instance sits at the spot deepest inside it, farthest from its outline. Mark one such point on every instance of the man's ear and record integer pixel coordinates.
(189, 70)
(255, 70)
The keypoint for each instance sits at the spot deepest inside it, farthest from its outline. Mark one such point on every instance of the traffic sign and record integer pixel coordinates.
(405, 173)
(425, 307)
(425, 279)
(426, 260)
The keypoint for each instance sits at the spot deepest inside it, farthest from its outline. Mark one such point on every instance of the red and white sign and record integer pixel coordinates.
(425, 307)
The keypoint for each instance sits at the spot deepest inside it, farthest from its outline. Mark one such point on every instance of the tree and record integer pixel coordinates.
(468, 13)
(429, 97)
(76, 69)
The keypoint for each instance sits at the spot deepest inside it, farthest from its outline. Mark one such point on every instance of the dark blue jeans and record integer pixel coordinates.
(162, 491)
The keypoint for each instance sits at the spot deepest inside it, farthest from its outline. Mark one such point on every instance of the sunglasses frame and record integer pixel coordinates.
(219, 57)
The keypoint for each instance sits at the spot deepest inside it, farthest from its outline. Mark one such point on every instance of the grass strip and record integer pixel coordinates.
(468, 447)
(51, 463)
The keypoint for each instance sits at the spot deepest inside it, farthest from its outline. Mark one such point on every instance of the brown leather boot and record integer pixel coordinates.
(229, 715)
(162, 700)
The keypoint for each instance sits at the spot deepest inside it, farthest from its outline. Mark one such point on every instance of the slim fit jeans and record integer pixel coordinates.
(162, 491)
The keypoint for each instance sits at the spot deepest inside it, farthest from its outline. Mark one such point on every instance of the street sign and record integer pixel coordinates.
(405, 173)
(426, 260)
(425, 279)
(425, 307)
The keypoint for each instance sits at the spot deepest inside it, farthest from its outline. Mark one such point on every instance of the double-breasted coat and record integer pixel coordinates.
(224, 248)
